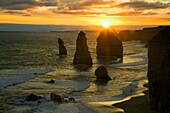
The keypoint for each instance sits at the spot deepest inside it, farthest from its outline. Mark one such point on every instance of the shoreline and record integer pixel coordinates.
(137, 102)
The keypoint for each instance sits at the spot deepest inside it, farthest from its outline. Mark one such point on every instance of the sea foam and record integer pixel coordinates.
(12, 77)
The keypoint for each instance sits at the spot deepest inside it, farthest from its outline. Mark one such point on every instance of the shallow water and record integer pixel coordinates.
(28, 60)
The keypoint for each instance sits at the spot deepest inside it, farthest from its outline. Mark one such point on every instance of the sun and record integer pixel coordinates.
(106, 24)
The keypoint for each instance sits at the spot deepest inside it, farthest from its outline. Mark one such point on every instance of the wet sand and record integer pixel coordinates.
(139, 104)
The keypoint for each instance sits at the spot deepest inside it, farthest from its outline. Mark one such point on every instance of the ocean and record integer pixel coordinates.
(29, 59)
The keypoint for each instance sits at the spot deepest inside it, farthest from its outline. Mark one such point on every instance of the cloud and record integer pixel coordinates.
(125, 13)
(82, 4)
(25, 4)
(168, 13)
(17, 12)
(142, 5)
(150, 13)
(88, 3)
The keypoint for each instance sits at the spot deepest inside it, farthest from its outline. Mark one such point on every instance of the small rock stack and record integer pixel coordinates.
(102, 74)
(62, 48)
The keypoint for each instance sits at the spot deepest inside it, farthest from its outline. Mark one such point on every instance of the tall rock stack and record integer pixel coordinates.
(159, 71)
(62, 48)
(82, 55)
(109, 45)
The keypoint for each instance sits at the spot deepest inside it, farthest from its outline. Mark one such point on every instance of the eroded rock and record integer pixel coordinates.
(82, 54)
(109, 45)
(102, 74)
(62, 48)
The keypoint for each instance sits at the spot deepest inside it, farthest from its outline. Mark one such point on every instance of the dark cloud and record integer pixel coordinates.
(149, 13)
(142, 5)
(168, 13)
(165, 18)
(84, 4)
(17, 12)
(78, 12)
(130, 13)
(25, 4)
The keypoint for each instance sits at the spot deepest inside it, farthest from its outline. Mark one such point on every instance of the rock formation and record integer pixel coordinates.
(32, 97)
(55, 98)
(62, 48)
(144, 35)
(82, 55)
(126, 35)
(51, 81)
(102, 74)
(109, 45)
(159, 71)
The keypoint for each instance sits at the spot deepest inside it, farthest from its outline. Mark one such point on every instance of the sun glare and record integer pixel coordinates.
(106, 24)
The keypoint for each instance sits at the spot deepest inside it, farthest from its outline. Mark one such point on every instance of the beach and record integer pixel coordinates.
(139, 104)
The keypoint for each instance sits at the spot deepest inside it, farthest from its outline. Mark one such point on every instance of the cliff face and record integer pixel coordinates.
(159, 71)
(144, 35)
(109, 45)
(82, 55)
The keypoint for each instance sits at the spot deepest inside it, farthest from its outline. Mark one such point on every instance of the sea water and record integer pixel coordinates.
(29, 59)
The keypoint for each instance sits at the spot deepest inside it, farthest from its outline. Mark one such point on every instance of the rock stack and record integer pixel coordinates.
(109, 45)
(55, 98)
(102, 74)
(62, 48)
(159, 71)
(82, 55)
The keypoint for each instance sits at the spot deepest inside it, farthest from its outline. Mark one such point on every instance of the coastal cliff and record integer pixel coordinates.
(159, 71)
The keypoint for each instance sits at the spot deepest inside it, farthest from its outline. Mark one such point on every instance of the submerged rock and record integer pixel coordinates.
(109, 45)
(51, 81)
(55, 98)
(159, 71)
(32, 97)
(82, 54)
(62, 48)
(102, 74)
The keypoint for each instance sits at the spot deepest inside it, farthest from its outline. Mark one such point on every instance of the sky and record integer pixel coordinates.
(85, 12)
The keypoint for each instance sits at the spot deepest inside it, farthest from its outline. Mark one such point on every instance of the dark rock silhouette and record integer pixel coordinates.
(126, 35)
(82, 55)
(102, 74)
(159, 71)
(109, 45)
(144, 35)
(62, 48)
(32, 97)
(55, 98)
(51, 81)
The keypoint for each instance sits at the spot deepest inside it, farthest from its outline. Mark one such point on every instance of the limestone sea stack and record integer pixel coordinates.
(82, 54)
(159, 71)
(102, 74)
(109, 45)
(62, 48)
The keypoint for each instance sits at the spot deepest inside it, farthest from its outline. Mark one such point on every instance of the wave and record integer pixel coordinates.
(12, 77)
(131, 64)
(71, 72)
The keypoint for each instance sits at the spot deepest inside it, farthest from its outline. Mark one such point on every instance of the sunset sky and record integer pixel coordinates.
(85, 12)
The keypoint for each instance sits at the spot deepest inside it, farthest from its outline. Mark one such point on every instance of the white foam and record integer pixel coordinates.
(12, 77)
(131, 64)
(71, 72)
